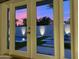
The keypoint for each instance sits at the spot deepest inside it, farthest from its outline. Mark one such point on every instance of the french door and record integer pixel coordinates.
(20, 29)
(38, 29)
(16, 29)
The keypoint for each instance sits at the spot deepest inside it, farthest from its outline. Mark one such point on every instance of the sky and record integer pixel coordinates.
(44, 10)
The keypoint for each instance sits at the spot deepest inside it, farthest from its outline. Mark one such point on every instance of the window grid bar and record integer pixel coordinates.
(58, 29)
(74, 29)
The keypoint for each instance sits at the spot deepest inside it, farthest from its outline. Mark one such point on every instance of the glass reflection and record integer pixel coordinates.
(20, 28)
(8, 28)
(44, 30)
(67, 33)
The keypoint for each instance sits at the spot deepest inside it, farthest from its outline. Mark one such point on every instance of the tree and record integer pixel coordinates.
(44, 21)
(24, 22)
(67, 22)
(16, 20)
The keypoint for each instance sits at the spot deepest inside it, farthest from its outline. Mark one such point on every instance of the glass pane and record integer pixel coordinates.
(44, 30)
(8, 27)
(20, 28)
(67, 33)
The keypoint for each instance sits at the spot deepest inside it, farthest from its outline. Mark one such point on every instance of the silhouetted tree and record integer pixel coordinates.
(16, 20)
(24, 22)
(44, 21)
(67, 22)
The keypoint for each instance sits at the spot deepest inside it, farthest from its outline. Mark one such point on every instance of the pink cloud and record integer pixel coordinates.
(21, 16)
(19, 22)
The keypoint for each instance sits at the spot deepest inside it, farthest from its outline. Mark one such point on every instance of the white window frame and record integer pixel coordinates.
(12, 24)
(58, 29)
(4, 7)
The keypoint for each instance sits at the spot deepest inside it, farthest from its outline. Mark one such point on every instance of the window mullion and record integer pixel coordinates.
(12, 29)
(74, 29)
(58, 29)
(0, 27)
(32, 25)
(61, 29)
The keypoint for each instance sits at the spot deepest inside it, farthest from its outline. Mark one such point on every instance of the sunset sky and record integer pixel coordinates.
(44, 10)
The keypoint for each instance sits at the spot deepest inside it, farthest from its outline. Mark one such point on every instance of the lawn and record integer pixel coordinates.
(40, 41)
(19, 45)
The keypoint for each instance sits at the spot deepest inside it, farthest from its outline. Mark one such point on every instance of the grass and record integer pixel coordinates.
(19, 45)
(40, 41)
(67, 46)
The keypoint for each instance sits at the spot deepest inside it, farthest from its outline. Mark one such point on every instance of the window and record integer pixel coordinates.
(44, 28)
(20, 28)
(67, 32)
(8, 27)
(44, 31)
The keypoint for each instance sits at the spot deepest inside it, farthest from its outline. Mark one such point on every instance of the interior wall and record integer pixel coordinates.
(0, 26)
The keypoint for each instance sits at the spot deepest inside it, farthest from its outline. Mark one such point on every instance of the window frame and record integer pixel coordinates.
(12, 24)
(4, 8)
(58, 27)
